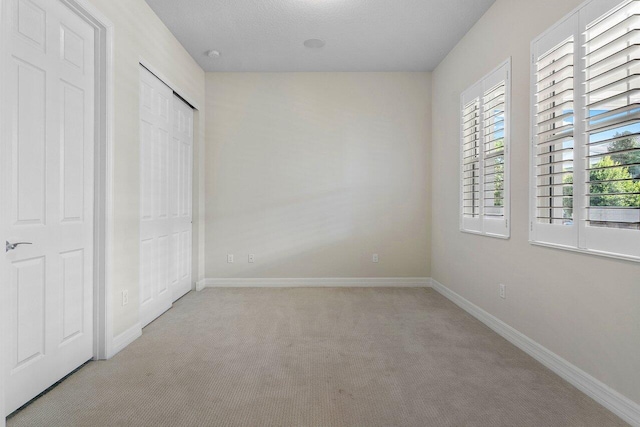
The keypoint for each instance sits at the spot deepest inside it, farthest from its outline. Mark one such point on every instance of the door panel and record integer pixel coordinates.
(49, 106)
(29, 297)
(72, 153)
(155, 134)
(72, 279)
(181, 224)
(31, 22)
(29, 127)
(147, 256)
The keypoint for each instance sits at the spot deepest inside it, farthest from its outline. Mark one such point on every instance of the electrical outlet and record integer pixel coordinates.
(230, 258)
(252, 258)
(503, 291)
(375, 258)
(125, 298)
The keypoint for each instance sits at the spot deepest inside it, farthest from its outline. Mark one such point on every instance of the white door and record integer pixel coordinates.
(47, 153)
(166, 151)
(156, 241)
(181, 185)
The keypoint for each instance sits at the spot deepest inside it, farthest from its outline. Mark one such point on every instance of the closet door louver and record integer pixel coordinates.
(612, 73)
(554, 134)
(471, 159)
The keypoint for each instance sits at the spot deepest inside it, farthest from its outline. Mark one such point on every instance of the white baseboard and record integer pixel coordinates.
(620, 405)
(346, 282)
(200, 285)
(125, 338)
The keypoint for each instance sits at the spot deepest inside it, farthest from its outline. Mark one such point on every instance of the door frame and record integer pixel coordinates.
(103, 183)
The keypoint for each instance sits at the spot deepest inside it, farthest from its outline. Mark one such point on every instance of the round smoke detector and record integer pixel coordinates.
(314, 43)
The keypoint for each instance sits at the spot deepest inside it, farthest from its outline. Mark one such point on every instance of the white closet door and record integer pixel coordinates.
(180, 198)
(47, 164)
(156, 126)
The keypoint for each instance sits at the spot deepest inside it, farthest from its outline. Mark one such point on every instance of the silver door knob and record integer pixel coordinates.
(12, 246)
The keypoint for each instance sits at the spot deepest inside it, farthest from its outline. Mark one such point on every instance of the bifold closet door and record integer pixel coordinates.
(156, 158)
(166, 159)
(180, 196)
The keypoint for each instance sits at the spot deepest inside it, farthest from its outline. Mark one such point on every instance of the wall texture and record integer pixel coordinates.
(139, 34)
(583, 308)
(315, 172)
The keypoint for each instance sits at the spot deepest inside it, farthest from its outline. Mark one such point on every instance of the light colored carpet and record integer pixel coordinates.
(316, 357)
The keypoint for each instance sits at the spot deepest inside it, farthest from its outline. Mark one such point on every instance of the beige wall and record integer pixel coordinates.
(583, 308)
(139, 33)
(315, 172)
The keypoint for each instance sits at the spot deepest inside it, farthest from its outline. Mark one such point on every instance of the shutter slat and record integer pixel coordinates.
(624, 80)
(556, 162)
(493, 106)
(556, 133)
(632, 67)
(560, 97)
(551, 79)
(557, 141)
(559, 117)
(597, 69)
(547, 153)
(614, 118)
(559, 63)
(609, 153)
(555, 196)
(635, 92)
(551, 174)
(496, 113)
(631, 37)
(548, 91)
(604, 25)
(558, 108)
(613, 166)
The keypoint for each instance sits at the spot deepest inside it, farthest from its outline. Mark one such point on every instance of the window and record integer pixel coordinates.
(585, 192)
(484, 152)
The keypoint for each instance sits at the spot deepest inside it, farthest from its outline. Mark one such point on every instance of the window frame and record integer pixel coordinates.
(579, 236)
(482, 224)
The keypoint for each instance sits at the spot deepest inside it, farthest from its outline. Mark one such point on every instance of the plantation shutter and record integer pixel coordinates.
(493, 126)
(611, 71)
(554, 99)
(495, 148)
(484, 148)
(586, 131)
(471, 159)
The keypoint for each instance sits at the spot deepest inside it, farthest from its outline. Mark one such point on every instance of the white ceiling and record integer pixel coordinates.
(360, 35)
